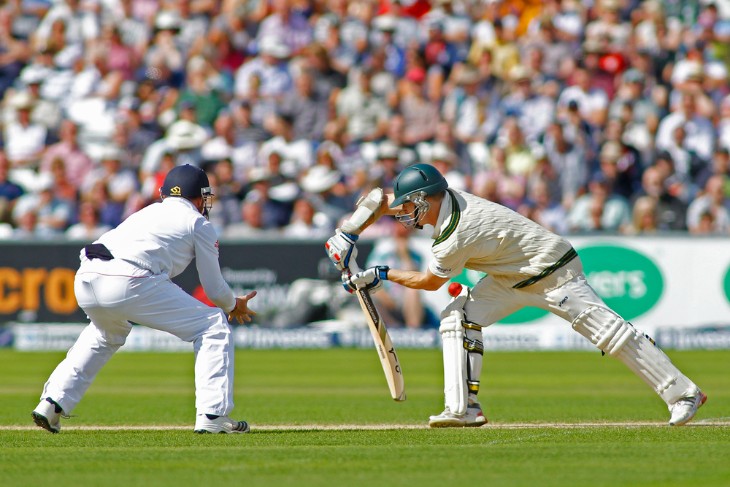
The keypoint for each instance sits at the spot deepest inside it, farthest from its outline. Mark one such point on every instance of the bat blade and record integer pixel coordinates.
(383, 345)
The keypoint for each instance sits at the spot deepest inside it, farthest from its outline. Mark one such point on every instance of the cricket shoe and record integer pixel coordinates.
(685, 409)
(219, 424)
(48, 415)
(474, 417)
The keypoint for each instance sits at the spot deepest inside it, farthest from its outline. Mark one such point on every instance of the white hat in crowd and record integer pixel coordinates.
(184, 135)
(273, 46)
(320, 178)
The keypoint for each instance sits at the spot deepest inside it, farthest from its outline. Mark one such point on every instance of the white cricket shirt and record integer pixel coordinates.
(481, 235)
(164, 238)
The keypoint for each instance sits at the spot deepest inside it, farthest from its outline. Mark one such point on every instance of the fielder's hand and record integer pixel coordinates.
(341, 248)
(370, 279)
(240, 311)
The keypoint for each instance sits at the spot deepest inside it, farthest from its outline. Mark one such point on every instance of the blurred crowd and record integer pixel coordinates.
(586, 116)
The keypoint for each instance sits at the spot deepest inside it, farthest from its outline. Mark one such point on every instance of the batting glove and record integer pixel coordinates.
(370, 279)
(341, 248)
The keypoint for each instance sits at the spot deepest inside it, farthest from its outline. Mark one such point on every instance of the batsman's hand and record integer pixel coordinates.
(240, 311)
(341, 249)
(370, 279)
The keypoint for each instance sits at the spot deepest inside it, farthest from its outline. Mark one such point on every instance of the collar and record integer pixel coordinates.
(448, 219)
(181, 200)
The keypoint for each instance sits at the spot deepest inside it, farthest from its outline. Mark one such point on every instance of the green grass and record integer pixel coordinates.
(346, 387)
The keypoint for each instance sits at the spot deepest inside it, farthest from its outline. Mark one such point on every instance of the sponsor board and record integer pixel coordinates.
(60, 337)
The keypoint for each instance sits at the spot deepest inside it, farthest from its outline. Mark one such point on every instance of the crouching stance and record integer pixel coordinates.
(526, 265)
(125, 276)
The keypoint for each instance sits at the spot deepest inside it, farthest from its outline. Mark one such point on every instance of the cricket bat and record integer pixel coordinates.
(383, 344)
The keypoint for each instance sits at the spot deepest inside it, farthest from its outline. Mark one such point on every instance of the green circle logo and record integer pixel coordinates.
(629, 282)
(726, 284)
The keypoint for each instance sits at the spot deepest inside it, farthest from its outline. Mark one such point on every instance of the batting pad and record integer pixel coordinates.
(474, 346)
(455, 358)
(618, 338)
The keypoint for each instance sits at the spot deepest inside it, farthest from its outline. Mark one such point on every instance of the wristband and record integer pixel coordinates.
(383, 272)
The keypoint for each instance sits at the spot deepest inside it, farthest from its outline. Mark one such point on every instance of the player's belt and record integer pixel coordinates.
(98, 251)
(569, 255)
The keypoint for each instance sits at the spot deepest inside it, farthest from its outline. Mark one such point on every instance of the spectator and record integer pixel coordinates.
(228, 192)
(621, 168)
(592, 103)
(52, 215)
(297, 154)
(268, 71)
(723, 126)
(569, 161)
(671, 211)
(274, 192)
(222, 144)
(599, 209)
(720, 165)
(307, 223)
(700, 134)
(251, 225)
(533, 111)
(308, 108)
(121, 183)
(646, 75)
(540, 208)
(498, 183)
(89, 227)
(200, 94)
(287, 24)
(710, 211)
(444, 159)
(14, 52)
(419, 114)
(363, 114)
(63, 188)
(77, 163)
(9, 191)
(328, 193)
(644, 217)
(183, 138)
(24, 139)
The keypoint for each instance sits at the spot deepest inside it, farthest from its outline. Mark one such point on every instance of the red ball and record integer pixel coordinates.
(455, 289)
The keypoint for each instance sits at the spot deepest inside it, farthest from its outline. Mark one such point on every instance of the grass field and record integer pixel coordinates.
(325, 418)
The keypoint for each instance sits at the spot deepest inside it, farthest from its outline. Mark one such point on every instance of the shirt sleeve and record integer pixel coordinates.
(446, 262)
(209, 270)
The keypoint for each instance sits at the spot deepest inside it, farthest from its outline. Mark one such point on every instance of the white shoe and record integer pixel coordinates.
(221, 424)
(685, 409)
(46, 417)
(474, 417)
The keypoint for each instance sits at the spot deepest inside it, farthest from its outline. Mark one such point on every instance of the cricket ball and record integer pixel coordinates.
(455, 289)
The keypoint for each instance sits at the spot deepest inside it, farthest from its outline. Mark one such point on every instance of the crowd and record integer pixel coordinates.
(592, 116)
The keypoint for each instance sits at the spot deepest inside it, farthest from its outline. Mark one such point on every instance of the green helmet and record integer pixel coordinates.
(415, 179)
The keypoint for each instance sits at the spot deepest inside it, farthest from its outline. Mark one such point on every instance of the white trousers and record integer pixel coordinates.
(571, 295)
(114, 293)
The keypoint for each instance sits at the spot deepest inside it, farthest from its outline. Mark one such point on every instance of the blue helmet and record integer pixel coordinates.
(188, 182)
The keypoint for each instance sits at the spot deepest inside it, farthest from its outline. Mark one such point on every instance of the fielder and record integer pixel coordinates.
(526, 265)
(125, 277)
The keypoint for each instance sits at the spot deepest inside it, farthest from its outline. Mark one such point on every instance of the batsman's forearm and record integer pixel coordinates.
(371, 207)
(414, 279)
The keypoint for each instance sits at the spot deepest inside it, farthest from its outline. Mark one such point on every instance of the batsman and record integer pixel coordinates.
(526, 265)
